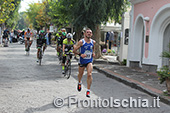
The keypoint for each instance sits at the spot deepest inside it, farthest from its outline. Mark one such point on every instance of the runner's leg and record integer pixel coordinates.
(89, 75)
(81, 71)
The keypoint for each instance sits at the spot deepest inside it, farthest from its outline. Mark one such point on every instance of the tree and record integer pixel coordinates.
(7, 8)
(23, 21)
(37, 16)
(13, 16)
(32, 12)
(91, 13)
(42, 19)
(58, 14)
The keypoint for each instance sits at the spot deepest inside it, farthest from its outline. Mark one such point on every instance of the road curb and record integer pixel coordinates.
(163, 99)
(105, 62)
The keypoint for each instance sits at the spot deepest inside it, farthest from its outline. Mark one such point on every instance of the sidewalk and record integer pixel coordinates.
(133, 77)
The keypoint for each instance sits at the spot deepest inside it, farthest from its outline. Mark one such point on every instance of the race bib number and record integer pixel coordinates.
(89, 54)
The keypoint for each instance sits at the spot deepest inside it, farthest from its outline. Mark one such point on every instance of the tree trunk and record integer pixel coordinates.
(97, 38)
(78, 35)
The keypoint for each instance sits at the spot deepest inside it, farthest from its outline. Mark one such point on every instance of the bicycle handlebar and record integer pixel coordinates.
(69, 53)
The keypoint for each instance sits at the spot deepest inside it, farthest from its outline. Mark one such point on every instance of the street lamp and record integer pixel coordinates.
(146, 19)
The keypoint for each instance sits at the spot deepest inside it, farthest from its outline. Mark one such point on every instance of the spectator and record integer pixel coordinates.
(11, 36)
(46, 36)
(107, 38)
(5, 33)
(111, 39)
(49, 37)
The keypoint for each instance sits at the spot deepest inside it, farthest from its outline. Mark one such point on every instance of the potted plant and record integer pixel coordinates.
(164, 72)
(164, 75)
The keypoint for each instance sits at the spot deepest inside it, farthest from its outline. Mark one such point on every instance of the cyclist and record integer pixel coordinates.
(63, 36)
(27, 36)
(63, 30)
(59, 42)
(86, 54)
(41, 42)
(68, 45)
(5, 37)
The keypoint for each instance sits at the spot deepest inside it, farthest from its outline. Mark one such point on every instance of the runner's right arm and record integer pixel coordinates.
(80, 43)
(77, 47)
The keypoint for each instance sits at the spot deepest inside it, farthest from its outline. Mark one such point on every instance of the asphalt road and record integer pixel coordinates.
(26, 87)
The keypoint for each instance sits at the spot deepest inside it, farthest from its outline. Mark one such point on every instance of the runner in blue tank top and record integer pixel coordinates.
(86, 46)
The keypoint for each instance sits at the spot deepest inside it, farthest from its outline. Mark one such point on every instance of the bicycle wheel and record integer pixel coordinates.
(68, 70)
(28, 49)
(40, 62)
(60, 55)
(40, 56)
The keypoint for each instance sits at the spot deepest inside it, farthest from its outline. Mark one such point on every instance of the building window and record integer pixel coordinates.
(126, 36)
(147, 39)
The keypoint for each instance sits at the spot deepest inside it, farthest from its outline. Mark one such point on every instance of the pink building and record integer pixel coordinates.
(149, 33)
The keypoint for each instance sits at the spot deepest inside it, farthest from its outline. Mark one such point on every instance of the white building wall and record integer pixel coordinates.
(157, 35)
(125, 25)
(158, 26)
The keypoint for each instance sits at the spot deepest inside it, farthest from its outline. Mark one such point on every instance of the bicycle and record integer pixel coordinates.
(40, 56)
(28, 47)
(21, 40)
(5, 42)
(68, 65)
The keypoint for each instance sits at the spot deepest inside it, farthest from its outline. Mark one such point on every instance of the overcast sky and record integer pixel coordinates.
(24, 4)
